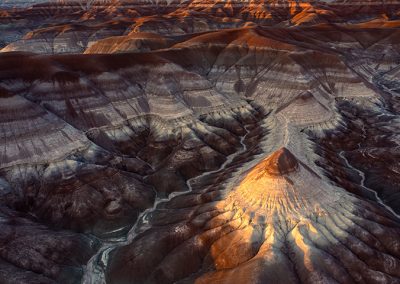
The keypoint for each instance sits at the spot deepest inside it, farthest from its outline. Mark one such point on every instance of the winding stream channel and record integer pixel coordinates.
(362, 183)
(94, 272)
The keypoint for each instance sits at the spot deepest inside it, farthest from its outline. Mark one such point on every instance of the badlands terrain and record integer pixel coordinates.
(199, 141)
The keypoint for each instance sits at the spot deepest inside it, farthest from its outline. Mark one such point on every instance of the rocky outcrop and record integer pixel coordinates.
(34, 253)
